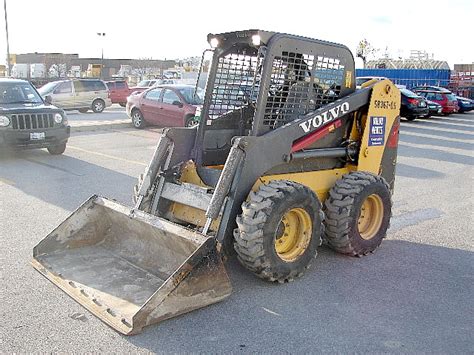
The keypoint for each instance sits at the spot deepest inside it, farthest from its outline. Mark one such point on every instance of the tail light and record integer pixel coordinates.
(413, 101)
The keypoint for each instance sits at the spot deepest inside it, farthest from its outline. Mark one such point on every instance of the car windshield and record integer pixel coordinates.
(408, 93)
(143, 83)
(451, 97)
(190, 98)
(18, 93)
(48, 88)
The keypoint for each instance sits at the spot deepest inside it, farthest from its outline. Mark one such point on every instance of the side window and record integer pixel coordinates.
(120, 85)
(64, 88)
(170, 96)
(153, 95)
(99, 85)
(439, 97)
(78, 87)
(112, 85)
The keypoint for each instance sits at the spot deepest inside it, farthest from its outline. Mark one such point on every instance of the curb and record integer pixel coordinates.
(97, 127)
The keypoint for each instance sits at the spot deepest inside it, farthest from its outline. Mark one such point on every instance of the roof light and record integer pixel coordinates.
(214, 42)
(256, 40)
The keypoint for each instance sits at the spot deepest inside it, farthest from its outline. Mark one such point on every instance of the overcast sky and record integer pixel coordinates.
(172, 29)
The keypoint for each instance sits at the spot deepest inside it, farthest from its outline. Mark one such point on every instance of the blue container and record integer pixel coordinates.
(410, 77)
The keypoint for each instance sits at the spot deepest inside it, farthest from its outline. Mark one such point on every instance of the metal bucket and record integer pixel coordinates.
(131, 269)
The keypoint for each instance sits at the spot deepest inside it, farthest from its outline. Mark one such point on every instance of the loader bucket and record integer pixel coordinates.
(131, 269)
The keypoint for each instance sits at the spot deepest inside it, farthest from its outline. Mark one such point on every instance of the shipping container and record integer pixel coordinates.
(410, 77)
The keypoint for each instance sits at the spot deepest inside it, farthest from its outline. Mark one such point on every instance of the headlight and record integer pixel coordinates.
(4, 121)
(256, 40)
(58, 118)
(214, 42)
(465, 102)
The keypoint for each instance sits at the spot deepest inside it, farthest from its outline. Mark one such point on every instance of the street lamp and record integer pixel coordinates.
(8, 44)
(101, 34)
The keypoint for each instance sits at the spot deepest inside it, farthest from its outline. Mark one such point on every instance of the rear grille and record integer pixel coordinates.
(32, 121)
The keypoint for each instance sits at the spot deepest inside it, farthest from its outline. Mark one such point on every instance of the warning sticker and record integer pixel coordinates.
(377, 130)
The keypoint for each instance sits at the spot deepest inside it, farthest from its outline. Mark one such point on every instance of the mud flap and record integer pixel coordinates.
(131, 270)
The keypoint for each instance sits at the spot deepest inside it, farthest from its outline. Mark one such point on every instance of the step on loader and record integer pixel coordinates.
(287, 154)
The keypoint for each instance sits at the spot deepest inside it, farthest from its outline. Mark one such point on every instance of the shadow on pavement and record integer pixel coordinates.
(407, 297)
(434, 154)
(72, 182)
(416, 172)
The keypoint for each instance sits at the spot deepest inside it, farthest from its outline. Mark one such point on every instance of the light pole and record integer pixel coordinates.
(101, 34)
(8, 44)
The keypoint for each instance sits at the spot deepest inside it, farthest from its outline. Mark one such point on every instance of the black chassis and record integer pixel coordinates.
(262, 150)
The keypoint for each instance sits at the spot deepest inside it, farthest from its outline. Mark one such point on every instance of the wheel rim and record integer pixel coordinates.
(293, 234)
(98, 106)
(370, 217)
(192, 122)
(137, 119)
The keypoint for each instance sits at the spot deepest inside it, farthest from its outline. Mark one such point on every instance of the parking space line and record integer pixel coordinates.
(106, 155)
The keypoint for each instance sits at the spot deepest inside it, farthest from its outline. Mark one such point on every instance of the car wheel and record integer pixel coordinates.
(98, 105)
(191, 121)
(137, 119)
(410, 118)
(123, 104)
(83, 110)
(57, 149)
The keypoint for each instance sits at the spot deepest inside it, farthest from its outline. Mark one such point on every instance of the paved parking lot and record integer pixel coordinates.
(413, 295)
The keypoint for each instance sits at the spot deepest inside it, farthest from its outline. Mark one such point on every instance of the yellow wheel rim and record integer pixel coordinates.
(370, 217)
(293, 234)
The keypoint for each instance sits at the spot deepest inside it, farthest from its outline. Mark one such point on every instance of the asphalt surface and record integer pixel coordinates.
(415, 294)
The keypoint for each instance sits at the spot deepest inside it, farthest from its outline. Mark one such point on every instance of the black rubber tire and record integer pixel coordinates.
(342, 210)
(190, 121)
(123, 104)
(83, 110)
(98, 105)
(137, 119)
(410, 118)
(57, 149)
(257, 227)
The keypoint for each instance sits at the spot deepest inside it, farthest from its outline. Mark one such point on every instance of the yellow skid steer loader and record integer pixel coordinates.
(287, 154)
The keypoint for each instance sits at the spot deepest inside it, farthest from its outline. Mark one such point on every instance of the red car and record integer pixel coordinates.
(119, 91)
(445, 98)
(165, 105)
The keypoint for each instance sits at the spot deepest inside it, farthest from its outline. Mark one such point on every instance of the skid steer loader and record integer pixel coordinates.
(287, 154)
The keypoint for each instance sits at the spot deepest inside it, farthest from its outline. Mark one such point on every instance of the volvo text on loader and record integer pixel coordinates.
(287, 154)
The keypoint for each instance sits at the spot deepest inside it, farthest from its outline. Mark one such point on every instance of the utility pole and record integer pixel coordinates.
(101, 34)
(8, 44)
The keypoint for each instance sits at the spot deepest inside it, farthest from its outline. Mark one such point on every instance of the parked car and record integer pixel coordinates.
(413, 105)
(77, 94)
(429, 88)
(27, 121)
(434, 108)
(465, 104)
(446, 99)
(146, 84)
(165, 105)
(119, 91)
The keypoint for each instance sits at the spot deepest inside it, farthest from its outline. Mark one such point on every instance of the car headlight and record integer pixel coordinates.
(4, 121)
(58, 118)
(465, 102)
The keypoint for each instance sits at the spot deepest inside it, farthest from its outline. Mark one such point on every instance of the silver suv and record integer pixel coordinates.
(77, 94)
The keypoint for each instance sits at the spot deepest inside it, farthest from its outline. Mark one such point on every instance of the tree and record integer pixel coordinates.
(142, 67)
(56, 65)
(365, 50)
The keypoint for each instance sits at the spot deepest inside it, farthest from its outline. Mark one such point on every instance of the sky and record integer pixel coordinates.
(177, 29)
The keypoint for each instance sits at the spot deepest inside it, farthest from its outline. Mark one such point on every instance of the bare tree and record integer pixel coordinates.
(56, 65)
(143, 67)
(365, 50)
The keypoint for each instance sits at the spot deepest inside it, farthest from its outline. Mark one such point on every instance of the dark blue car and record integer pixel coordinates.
(465, 104)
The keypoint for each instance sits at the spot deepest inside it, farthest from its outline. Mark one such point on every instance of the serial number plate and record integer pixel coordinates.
(37, 136)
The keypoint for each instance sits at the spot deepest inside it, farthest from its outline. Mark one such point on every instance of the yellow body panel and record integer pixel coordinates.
(384, 105)
(318, 181)
(190, 214)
